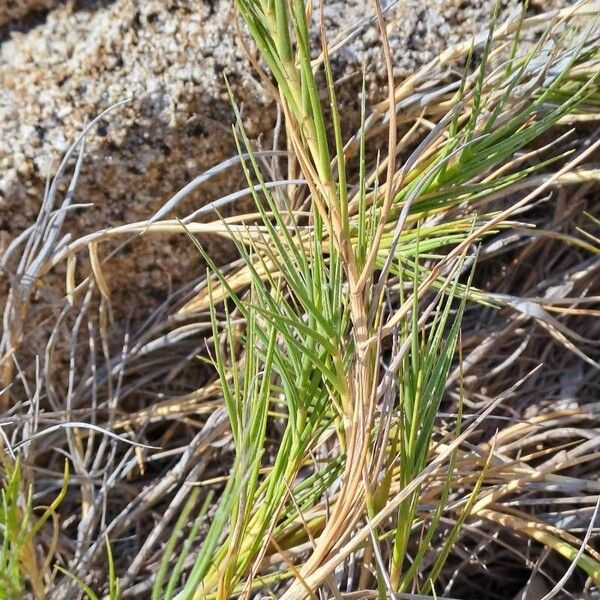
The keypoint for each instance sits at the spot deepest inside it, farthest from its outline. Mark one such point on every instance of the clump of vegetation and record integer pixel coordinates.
(402, 399)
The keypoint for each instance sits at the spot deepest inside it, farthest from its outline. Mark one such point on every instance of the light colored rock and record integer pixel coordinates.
(84, 56)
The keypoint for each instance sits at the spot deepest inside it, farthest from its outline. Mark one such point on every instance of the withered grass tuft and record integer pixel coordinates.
(404, 356)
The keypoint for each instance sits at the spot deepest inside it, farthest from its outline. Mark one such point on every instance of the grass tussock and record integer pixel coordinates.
(402, 364)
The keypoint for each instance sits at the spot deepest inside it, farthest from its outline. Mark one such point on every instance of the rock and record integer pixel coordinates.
(171, 57)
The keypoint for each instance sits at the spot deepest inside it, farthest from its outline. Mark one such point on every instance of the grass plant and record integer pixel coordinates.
(374, 374)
